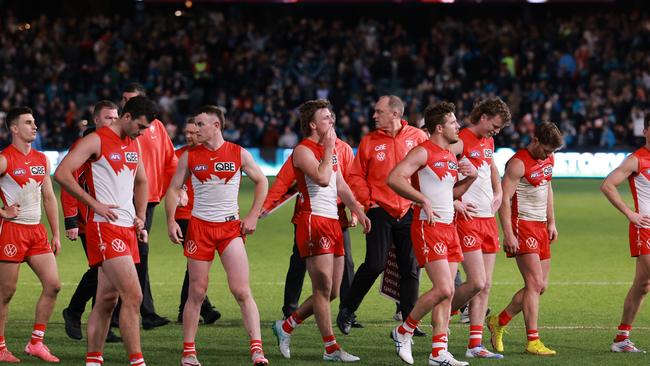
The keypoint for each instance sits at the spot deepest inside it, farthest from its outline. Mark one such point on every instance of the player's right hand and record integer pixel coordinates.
(175, 233)
(466, 210)
(510, 244)
(105, 211)
(329, 139)
(11, 212)
(428, 211)
(639, 219)
(72, 234)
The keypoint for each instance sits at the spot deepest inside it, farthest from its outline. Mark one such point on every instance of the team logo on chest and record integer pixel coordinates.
(131, 157)
(410, 144)
(225, 166)
(37, 170)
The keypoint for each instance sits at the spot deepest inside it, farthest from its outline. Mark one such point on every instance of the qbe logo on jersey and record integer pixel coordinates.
(37, 170)
(225, 166)
(131, 157)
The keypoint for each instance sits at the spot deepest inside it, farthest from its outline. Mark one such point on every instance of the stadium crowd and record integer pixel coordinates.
(588, 73)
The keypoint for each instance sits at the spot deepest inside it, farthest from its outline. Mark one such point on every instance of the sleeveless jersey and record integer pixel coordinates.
(531, 195)
(21, 183)
(317, 200)
(640, 182)
(478, 151)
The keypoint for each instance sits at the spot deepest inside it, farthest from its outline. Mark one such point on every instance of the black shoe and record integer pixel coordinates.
(417, 332)
(154, 321)
(179, 319)
(354, 323)
(344, 321)
(211, 316)
(112, 337)
(72, 324)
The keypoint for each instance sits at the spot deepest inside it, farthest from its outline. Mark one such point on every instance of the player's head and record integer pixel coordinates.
(209, 121)
(190, 132)
(132, 90)
(22, 124)
(489, 116)
(440, 120)
(137, 115)
(104, 113)
(316, 117)
(388, 109)
(547, 140)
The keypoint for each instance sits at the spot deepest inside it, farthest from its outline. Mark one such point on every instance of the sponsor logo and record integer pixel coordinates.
(10, 250)
(381, 156)
(37, 170)
(647, 243)
(469, 241)
(475, 154)
(152, 128)
(131, 157)
(200, 168)
(325, 242)
(115, 156)
(534, 175)
(452, 165)
(225, 166)
(118, 245)
(124, 147)
(410, 144)
(440, 248)
(487, 153)
(548, 170)
(191, 247)
(19, 171)
(531, 243)
(439, 164)
(184, 187)
(335, 160)
(380, 147)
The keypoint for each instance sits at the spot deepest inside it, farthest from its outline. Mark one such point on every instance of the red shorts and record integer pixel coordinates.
(316, 235)
(20, 241)
(204, 237)
(533, 238)
(639, 240)
(480, 233)
(435, 242)
(107, 241)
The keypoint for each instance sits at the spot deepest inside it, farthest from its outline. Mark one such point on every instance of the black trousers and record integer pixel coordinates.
(296, 274)
(206, 306)
(86, 288)
(385, 231)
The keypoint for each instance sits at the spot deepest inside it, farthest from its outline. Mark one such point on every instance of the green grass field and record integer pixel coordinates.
(591, 272)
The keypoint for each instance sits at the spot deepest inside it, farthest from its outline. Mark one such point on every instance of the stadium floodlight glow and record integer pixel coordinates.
(188, 4)
(536, 1)
(178, 13)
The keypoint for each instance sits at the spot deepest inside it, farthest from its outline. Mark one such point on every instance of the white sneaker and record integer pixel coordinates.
(625, 346)
(340, 356)
(445, 359)
(190, 360)
(284, 338)
(482, 352)
(402, 345)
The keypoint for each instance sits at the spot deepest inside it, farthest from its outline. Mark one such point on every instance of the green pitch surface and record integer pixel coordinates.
(591, 272)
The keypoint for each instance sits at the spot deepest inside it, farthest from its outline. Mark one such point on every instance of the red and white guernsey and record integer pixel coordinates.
(215, 176)
(21, 183)
(640, 182)
(111, 176)
(531, 195)
(436, 181)
(479, 151)
(317, 200)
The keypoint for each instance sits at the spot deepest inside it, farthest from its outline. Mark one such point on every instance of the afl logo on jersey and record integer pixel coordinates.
(115, 156)
(475, 154)
(19, 172)
(200, 168)
(225, 166)
(131, 157)
(439, 164)
(37, 170)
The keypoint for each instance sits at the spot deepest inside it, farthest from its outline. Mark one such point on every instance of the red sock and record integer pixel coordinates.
(38, 333)
(189, 348)
(438, 343)
(408, 326)
(623, 332)
(454, 312)
(504, 318)
(475, 336)
(94, 358)
(3, 345)
(256, 346)
(330, 344)
(136, 359)
(533, 335)
(291, 323)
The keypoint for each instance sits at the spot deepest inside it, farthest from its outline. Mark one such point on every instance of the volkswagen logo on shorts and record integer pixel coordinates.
(191, 247)
(118, 245)
(10, 250)
(469, 241)
(531, 243)
(440, 248)
(647, 243)
(325, 242)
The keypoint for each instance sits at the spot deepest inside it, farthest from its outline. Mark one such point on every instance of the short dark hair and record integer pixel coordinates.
(101, 105)
(548, 134)
(434, 114)
(135, 88)
(491, 107)
(307, 111)
(646, 121)
(14, 113)
(139, 106)
(214, 110)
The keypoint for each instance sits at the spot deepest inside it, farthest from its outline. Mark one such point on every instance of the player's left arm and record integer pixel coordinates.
(497, 192)
(344, 191)
(255, 174)
(51, 209)
(550, 215)
(141, 196)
